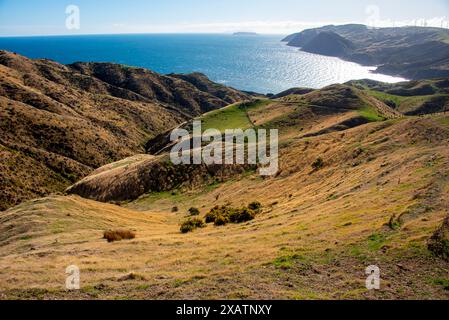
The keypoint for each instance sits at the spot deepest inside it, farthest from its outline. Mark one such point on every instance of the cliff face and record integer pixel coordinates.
(410, 52)
(59, 122)
(329, 44)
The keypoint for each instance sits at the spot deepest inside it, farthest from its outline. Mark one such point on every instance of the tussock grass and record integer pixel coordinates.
(118, 235)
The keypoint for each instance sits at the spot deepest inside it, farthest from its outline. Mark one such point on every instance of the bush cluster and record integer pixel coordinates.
(192, 224)
(194, 212)
(222, 215)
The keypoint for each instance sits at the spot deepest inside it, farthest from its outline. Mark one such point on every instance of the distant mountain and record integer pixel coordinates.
(329, 44)
(59, 123)
(409, 52)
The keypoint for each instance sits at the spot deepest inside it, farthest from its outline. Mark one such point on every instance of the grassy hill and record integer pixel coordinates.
(378, 196)
(59, 123)
(410, 98)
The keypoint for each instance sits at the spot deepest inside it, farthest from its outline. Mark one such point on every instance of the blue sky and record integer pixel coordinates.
(44, 17)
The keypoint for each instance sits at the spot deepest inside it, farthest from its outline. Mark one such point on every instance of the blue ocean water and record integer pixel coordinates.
(256, 63)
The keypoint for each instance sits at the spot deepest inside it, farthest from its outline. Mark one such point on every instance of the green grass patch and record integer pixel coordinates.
(386, 97)
(405, 187)
(57, 227)
(402, 103)
(232, 117)
(288, 261)
(357, 252)
(444, 121)
(370, 114)
(412, 103)
(376, 241)
(444, 282)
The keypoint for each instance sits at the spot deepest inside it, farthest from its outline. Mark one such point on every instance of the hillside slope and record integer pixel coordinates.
(409, 98)
(378, 199)
(363, 180)
(61, 122)
(409, 52)
(335, 108)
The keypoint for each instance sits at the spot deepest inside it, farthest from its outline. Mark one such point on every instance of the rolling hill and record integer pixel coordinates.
(408, 52)
(379, 197)
(363, 180)
(61, 122)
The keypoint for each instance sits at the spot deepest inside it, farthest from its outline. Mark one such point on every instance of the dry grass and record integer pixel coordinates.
(380, 196)
(315, 240)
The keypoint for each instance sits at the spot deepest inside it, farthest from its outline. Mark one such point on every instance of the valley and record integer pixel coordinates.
(363, 180)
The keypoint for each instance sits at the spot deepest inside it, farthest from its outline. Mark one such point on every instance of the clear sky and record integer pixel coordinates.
(47, 17)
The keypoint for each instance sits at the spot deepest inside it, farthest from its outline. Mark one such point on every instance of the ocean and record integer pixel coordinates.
(260, 63)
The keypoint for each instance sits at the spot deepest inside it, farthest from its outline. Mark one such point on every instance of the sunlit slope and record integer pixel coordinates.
(60, 122)
(295, 117)
(410, 98)
(380, 195)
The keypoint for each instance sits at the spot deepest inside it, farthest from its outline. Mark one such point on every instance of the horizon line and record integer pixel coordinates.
(137, 33)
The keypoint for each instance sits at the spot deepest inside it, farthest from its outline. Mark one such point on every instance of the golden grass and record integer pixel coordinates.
(315, 242)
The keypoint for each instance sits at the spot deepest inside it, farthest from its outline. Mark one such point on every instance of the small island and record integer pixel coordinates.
(245, 34)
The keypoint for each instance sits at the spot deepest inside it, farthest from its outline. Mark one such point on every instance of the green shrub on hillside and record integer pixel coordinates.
(256, 206)
(194, 211)
(242, 215)
(222, 215)
(221, 220)
(318, 164)
(212, 214)
(192, 224)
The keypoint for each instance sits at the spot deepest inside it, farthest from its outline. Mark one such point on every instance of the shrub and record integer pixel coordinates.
(175, 209)
(318, 164)
(191, 224)
(194, 211)
(223, 215)
(118, 235)
(211, 216)
(255, 206)
(221, 220)
(242, 215)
